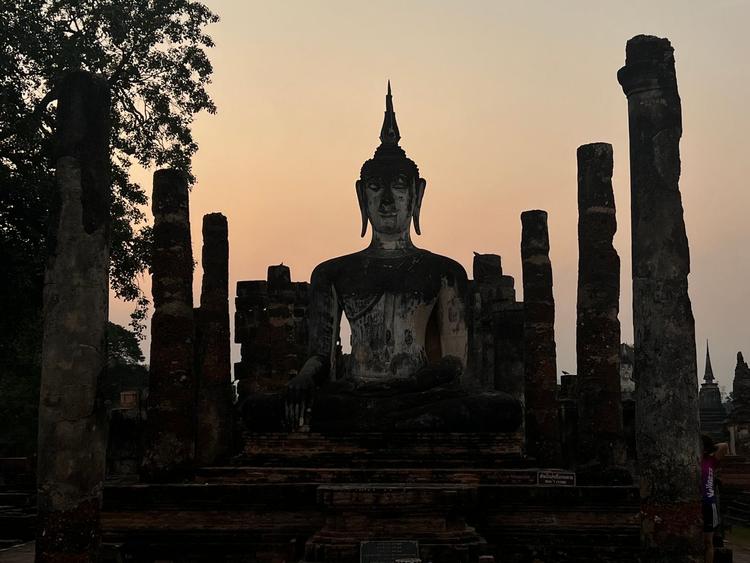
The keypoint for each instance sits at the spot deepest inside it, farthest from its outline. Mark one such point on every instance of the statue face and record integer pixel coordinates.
(390, 203)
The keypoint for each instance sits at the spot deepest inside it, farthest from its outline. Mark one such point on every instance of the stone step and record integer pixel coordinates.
(17, 525)
(208, 496)
(584, 536)
(256, 518)
(372, 450)
(17, 498)
(322, 475)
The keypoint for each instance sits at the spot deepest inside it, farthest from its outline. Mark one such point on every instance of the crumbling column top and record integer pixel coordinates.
(595, 163)
(534, 233)
(649, 65)
(170, 190)
(215, 220)
(591, 151)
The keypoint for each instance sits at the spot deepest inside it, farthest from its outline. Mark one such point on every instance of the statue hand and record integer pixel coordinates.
(299, 395)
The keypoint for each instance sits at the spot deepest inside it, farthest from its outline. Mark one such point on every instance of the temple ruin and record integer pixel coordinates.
(444, 435)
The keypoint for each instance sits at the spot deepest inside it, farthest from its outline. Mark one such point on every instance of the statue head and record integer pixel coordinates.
(389, 189)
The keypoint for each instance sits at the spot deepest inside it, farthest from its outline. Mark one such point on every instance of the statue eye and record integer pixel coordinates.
(373, 186)
(401, 183)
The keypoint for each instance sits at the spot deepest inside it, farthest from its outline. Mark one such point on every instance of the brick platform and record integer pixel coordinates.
(314, 498)
(377, 449)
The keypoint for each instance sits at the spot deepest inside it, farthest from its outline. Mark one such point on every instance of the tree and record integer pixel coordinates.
(122, 346)
(153, 55)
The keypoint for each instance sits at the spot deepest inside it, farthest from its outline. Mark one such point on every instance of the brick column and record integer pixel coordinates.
(540, 360)
(170, 436)
(599, 401)
(667, 427)
(72, 421)
(212, 348)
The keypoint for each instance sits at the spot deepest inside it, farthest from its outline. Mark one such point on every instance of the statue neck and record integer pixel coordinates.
(387, 243)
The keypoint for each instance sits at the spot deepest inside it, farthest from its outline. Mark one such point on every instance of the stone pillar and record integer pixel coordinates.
(212, 350)
(508, 326)
(540, 362)
(72, 422)
(667, 432)
(739, 418)
(599, 401)
(170, 435)
(485, 288)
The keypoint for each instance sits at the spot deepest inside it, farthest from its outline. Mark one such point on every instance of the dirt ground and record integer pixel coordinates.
(23, 553)
(738, 539)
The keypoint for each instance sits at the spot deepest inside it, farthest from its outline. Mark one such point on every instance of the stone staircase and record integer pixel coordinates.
(295, 497)
(572, 524)
(737, 511)
(17, 502)
(377, 449)
(734, 490)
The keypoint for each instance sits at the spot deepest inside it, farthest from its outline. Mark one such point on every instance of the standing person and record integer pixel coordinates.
(712, 454)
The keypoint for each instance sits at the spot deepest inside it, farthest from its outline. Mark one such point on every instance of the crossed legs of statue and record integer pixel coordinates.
(431, 401)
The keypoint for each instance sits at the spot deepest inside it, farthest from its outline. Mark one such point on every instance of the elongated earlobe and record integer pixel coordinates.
(420, 187)
(362, 199)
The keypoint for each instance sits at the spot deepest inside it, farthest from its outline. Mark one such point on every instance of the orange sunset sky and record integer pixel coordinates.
(492, 99)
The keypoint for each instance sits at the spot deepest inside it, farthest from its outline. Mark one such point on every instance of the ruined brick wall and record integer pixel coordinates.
(496, 343)
(271, 327)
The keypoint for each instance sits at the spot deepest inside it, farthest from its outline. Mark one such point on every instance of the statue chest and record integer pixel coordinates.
(388, 331)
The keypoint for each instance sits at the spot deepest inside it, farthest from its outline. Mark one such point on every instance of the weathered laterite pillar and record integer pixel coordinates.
(540, 361)
(212, 349)
(667, 428)
(170, 435)
(600, 442)
(72, 420)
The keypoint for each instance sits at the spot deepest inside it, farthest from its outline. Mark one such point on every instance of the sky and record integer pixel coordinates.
(492, 99)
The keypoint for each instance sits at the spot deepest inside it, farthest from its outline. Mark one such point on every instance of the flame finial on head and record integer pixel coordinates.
(389, 134)
(389, 157)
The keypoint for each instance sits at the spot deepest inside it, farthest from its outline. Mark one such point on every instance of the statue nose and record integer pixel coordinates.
(387, 197)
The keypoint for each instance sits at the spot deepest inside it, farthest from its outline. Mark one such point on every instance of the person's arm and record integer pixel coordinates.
(722, 449)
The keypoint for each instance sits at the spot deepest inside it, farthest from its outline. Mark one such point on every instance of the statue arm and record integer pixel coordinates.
(324, 317)
(454, 334)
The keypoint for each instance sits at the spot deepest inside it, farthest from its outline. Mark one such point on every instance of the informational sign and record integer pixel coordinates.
(387, 551)
(559, 478)
(517, 477)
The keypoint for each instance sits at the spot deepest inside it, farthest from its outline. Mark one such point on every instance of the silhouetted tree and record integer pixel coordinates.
(152, 53)
(122, 346)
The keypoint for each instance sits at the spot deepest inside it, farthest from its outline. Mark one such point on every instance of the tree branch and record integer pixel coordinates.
(35, 115)
(120, 67)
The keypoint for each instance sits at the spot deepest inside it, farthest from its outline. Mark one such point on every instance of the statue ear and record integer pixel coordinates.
(420, 186)
(362, 199)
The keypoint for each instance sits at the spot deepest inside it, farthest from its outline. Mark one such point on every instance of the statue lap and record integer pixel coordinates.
(433, 401)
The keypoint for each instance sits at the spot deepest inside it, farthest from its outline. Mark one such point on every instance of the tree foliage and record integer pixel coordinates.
(122, 346)
(153, 55)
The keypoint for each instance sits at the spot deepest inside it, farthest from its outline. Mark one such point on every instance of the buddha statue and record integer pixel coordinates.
(407, 311)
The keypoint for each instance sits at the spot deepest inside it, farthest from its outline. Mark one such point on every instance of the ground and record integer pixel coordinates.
(738, 539)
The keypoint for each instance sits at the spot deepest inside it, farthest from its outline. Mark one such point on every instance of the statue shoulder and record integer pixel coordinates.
(448, 268)
(331, 269)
